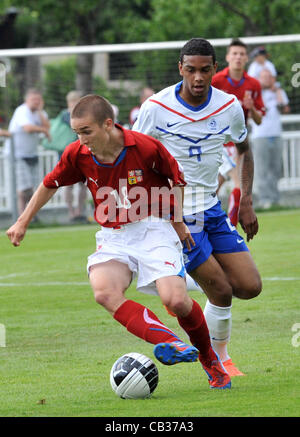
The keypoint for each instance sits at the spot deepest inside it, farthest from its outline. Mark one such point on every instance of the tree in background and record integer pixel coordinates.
(49, 23)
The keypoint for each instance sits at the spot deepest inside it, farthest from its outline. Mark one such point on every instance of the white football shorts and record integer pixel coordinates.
(151, 248)
(229, 161)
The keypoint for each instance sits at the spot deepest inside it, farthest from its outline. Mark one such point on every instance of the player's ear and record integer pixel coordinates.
(215, 67)
(180, 68)
(108, 123)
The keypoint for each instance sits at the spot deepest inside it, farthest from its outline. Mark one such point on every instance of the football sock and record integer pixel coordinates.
(143, 323)
(195, 326)
(218, 320)
(233, 205)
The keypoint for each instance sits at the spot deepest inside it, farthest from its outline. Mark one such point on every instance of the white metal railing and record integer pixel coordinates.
(291, 161)
(47, 160)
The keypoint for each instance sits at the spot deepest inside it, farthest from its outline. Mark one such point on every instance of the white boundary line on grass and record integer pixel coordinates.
(81, 283)
(278, 278)
(50, 230)
(41, 284)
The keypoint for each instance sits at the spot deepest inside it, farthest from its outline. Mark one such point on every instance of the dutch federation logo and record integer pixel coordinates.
(212, 124)
(135, 176)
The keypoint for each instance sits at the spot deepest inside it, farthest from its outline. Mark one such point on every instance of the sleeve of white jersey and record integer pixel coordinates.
(145, 122)
(238, 131)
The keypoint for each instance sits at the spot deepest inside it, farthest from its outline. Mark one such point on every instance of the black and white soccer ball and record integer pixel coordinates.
(134, 376)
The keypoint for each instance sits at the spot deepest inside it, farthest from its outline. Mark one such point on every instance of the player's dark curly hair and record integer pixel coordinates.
(237, 42)
(197, 46)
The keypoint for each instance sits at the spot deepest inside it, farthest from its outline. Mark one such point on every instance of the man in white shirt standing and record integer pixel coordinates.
(28, 121)
(193, 120)
(267, 144)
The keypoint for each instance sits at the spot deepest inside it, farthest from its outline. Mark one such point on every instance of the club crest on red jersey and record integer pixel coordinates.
(135, 176)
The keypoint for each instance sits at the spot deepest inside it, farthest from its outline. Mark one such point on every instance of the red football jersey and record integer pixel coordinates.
(128, 189)
(224, 82)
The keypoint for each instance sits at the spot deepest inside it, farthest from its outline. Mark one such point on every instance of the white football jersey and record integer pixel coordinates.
(195, 137)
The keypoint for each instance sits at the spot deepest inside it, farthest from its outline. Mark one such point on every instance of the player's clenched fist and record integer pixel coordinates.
(16, 233)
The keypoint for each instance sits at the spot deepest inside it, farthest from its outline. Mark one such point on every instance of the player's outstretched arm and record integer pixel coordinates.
(17, 231)
(247, 216)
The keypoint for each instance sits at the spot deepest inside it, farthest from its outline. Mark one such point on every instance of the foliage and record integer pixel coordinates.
(49, 23)
(59, 80)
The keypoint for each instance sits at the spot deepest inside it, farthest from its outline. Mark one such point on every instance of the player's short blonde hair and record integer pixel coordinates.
(96, 106)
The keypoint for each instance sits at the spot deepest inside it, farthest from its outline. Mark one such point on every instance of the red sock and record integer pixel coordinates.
(233, 205)
(143, 323)
(195, 326)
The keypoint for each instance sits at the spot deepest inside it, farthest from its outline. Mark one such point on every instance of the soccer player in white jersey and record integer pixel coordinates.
(193, 120)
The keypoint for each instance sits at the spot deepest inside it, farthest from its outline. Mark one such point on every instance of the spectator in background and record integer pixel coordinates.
(267, 144)
(4, 133)
(62, 135)
(28, 122)
(234, 80)
(76, 213)
(116, 113)
(145, 94)
(260, 62)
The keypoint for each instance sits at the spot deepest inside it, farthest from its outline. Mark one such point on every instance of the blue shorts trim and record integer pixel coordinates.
(213, 233)
(182, 272)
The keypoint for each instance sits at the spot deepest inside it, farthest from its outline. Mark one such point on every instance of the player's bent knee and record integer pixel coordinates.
(251, 290)
(218, 290)
(180, 306)
(101, 297)
(256, 288)
(107, 298)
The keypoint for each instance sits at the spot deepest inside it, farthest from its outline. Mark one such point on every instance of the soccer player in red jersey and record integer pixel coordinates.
(234, 80)
(128, 173)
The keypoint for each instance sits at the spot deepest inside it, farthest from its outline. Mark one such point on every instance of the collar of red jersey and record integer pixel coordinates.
(226, 73)
(129, 139)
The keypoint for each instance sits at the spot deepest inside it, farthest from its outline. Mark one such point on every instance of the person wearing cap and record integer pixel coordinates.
(260, 62)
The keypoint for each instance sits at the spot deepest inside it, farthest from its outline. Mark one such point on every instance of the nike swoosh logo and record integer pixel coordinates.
(239, 241)
(172, 124)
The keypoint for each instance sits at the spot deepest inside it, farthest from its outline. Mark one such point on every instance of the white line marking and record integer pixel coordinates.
(278, 278)
(81, 283)
(42, 284)
(90, 227)
(49, 272)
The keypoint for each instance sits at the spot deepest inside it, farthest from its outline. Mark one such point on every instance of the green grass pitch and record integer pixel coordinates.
(60, 345)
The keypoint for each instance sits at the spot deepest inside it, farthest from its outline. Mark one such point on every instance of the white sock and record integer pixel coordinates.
(218, 320)
(192, 285)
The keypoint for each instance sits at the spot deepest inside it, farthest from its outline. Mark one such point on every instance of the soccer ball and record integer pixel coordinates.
(134, 376)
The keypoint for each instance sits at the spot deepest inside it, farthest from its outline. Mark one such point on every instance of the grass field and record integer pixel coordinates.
(60, 345)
